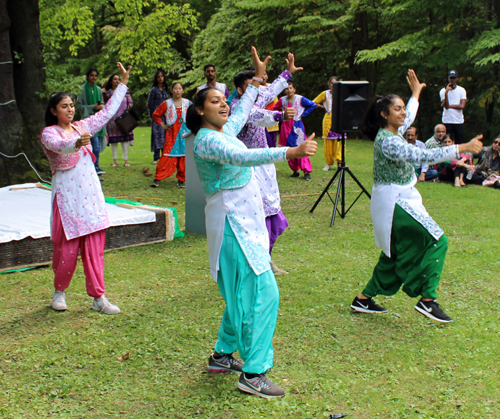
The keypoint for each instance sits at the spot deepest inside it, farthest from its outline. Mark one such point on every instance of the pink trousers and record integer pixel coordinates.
(303, 164)
(65, 255)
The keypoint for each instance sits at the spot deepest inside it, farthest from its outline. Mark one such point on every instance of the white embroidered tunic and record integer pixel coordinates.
(394, 180)
(225, 167)
(78, 190)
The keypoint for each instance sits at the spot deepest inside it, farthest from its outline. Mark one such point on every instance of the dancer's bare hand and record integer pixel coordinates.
(125, 73)
(290, 61)
(288, 114)
(83, 140)
(260, 66)
(307, 148)
(474, 146)
(415, 85)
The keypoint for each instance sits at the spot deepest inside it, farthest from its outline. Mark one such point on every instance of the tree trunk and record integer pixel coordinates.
(21, 121)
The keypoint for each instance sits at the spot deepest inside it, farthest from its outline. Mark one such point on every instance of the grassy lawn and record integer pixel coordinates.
(398, 365)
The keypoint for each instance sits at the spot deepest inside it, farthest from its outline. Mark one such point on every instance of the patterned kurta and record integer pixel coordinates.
(78, 190)
(175, 144)
(394, 180)
(224, 165)
(293, 132)
(254, 136)
(433, 142)
(155, 98)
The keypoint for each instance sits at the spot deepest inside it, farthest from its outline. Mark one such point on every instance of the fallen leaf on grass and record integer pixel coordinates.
(145, 171)
(124, 357)
(174, 203)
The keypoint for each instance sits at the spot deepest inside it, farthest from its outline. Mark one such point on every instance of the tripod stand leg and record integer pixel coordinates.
(340, 186)
(358, 182)
(324, 191)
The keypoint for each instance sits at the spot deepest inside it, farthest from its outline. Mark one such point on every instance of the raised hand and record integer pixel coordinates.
(415, 85)
(290, 62)
(260, 66)
(125, 73)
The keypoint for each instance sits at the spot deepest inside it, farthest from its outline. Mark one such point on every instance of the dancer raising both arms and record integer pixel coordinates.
(253, 135)
(238, 242)
(413, 245)
(79, 218)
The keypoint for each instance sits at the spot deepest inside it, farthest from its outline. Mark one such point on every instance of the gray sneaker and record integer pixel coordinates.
(104, 306)
(260, 386)
(59, 301)
(225, 364)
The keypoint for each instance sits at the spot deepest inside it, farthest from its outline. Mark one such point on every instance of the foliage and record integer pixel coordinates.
(83, 33)
(392, 366)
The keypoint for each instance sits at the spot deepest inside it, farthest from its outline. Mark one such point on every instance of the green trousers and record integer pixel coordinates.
(251, 312)
(416, 260)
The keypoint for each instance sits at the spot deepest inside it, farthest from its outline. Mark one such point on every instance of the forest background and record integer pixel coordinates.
(376, 40)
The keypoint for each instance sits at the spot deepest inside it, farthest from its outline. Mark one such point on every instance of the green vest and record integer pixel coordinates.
(385, 170)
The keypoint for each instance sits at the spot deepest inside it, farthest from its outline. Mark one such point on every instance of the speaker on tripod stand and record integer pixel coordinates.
(349, 105)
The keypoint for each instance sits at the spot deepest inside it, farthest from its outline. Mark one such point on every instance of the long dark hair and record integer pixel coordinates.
(373, 119)
(109, 83)
(50, 118)
(193, 118)
(155, 80)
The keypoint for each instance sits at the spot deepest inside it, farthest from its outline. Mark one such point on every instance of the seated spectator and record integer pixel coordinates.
(489, 164)
(437, 139)
(422, 170)
(459, 171)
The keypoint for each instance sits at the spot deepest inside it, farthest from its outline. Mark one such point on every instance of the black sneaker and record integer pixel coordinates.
(155, 183)
(260, 386)
(180, 184)
(367, 306)
(227, 363)
(307, 176)
(432, 310)
(295, 174)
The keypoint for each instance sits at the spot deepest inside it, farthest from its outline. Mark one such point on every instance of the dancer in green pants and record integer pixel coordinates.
(413, 245)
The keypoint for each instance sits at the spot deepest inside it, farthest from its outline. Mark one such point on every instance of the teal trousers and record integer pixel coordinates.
(416, 260)
(251, 312)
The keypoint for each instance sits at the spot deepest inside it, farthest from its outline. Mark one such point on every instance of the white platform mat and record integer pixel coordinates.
(25, 212)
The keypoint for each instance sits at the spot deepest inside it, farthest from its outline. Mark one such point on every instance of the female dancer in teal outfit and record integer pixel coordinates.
(237, 236)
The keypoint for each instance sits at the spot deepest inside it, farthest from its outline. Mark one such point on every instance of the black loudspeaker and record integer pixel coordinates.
(349, 105)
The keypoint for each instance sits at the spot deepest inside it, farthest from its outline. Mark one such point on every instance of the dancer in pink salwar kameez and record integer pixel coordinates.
(79, 218)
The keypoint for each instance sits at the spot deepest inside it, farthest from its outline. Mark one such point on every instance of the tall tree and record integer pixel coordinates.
(21, 79)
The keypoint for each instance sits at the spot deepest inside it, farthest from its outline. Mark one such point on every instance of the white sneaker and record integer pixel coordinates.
(326, 168)
(59, 301)
(276, 270)
(104, 306)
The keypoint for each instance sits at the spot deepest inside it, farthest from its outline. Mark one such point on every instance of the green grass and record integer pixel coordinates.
(398, 365)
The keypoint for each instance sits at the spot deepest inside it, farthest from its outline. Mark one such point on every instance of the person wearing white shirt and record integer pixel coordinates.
(453, 99)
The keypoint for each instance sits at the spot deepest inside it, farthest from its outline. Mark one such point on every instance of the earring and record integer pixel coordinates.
(202, 114)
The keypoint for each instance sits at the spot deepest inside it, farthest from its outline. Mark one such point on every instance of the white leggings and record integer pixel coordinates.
(114, 150)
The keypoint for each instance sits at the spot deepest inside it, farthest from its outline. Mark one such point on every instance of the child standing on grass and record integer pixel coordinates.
(174, 148)
(413, 245)
(293, 132)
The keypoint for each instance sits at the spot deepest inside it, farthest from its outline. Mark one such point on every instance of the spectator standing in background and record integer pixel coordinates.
(88, 102)
(453, 99)
(157, 95)
(210, 75)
